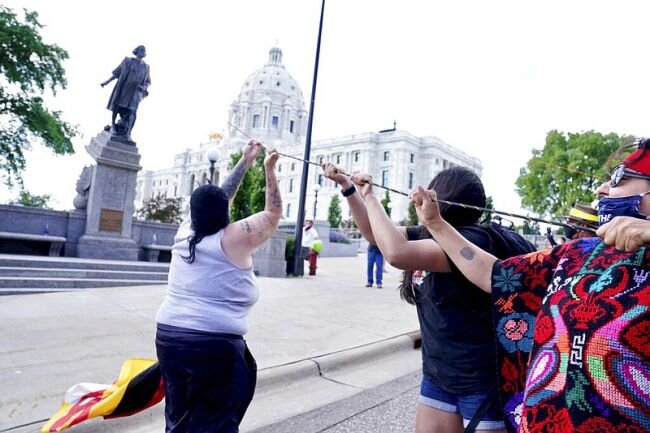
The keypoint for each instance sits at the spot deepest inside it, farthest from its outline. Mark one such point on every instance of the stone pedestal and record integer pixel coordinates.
(109, 213)
(268, 260)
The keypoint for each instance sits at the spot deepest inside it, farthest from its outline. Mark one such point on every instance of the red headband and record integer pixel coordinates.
(639, 161)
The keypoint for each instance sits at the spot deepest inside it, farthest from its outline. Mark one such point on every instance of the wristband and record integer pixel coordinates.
(349, 191)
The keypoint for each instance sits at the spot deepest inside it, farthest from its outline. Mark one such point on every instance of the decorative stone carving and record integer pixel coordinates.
(83, 188)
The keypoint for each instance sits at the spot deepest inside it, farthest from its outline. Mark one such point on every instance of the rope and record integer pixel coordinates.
(447, 202)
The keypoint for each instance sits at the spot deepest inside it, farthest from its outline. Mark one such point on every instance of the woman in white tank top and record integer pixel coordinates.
(208, 372)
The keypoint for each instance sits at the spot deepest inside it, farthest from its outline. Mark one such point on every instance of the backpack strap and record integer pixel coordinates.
(490, 397)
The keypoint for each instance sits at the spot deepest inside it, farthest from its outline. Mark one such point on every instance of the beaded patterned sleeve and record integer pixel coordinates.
(573, 332)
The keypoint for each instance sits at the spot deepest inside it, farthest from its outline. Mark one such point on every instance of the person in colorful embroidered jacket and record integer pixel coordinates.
(208, 372)
(572, 323)
(458, 350)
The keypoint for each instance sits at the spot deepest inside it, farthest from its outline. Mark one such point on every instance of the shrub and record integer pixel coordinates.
(288, 249)
(338, 237)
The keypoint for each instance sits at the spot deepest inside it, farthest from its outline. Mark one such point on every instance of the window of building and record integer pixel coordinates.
(384, 178)
(321, 159)
(386, 155)
(256, 121)
(293, 166)
(412, 158)
(320, 179)
(290, 185)
(274, 122)
(291, 126)
(411, 180)
(288, 210)
(338, 158)
(357, 155)
(279, 168)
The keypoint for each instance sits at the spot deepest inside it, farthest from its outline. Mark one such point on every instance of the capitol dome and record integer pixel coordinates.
(270, 104)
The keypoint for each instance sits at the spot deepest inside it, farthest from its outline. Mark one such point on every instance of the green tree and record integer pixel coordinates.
(28, 67)
(250, 195)
(489, 204)
(334, 216)
(412, 216)
(385, 203)
(29, 200)
(528, 228)
(162, 209)
(568, 169)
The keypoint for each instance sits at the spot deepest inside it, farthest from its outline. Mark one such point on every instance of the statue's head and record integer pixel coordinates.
(140, 51)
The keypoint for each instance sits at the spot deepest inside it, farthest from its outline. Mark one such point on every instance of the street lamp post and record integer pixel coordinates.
(213, 157)
(316, 189)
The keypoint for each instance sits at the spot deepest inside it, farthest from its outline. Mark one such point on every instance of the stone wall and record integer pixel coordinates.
(268, 260)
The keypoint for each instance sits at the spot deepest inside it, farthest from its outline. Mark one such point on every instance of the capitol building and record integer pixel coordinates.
(270, 107)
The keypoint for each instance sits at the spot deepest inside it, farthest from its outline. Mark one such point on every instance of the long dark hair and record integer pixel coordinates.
(457, 184)
(209, 212)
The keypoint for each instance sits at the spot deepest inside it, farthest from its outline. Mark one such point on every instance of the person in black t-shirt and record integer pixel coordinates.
(458, 348)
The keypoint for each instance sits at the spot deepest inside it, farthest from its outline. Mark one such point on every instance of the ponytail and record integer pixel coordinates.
(193, 240)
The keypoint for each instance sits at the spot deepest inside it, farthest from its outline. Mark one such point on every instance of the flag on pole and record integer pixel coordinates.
(138, 387)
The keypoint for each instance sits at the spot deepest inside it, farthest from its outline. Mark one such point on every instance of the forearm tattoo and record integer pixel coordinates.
(272, 191)
(467, 253)
(231, 185)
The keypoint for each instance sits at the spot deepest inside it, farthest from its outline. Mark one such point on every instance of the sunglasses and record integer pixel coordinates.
(620, 172)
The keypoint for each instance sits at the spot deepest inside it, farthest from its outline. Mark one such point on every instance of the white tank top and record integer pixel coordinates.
(211, 294)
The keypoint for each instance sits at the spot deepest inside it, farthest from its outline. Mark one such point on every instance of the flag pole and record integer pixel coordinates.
(298, 263)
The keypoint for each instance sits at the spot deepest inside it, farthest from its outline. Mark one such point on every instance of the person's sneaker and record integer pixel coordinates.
(368, 285)
(379, 286)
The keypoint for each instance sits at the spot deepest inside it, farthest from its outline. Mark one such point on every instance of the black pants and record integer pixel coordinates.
(209, 380)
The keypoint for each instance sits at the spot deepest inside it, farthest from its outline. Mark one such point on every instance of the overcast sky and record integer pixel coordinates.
(489, 77)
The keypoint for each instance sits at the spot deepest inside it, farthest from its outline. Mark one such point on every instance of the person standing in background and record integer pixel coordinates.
(376, 263)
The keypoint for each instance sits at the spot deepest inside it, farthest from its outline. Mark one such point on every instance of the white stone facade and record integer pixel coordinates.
(270, 107)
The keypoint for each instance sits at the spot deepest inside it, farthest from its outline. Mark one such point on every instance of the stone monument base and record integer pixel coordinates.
(103, 247)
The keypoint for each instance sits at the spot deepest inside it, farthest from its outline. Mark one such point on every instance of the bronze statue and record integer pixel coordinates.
(132, 83)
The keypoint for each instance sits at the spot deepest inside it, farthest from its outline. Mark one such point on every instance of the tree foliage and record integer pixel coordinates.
(162, 209)
(29, 200)
(411, 216)
(489, 204)
(28, 68)
(250, 195)
(385, 202)
(568, 169)
(334, 214)
(528, 228)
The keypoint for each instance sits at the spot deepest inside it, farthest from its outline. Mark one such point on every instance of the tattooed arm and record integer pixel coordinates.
(474, 263)
(249, 154)
(243, 237)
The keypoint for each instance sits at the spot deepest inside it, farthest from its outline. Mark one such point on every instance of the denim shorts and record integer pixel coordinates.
(432, 395)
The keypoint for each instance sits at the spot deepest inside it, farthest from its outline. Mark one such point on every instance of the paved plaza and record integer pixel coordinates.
(327, 334)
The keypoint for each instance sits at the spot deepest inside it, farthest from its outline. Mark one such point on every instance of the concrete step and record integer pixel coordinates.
(81, 273)
(19, 283)
(15, 260)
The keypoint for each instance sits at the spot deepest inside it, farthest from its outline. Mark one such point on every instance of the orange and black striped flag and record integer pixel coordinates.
(138, 387)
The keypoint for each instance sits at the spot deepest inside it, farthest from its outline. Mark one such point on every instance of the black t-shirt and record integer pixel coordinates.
(458, 343)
